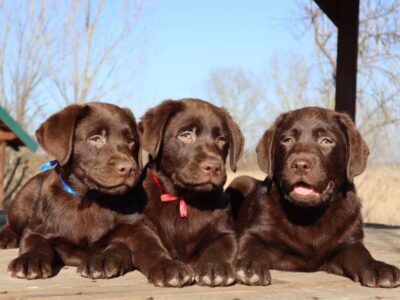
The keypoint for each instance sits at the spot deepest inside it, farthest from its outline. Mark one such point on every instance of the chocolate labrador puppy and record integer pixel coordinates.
(188, 141)
(306, 215)
(67, 214)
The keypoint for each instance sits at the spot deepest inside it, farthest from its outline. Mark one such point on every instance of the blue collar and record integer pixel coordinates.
(51, 164)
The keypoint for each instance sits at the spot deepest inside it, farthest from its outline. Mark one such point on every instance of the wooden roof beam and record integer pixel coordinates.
(330, 8)
(347, 50)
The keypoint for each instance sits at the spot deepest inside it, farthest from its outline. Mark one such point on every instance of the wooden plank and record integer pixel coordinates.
(346, 70)
(67, 284)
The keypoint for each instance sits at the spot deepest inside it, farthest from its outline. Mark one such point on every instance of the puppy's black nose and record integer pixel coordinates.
(125, 168)
(301, 165)
(211, 167)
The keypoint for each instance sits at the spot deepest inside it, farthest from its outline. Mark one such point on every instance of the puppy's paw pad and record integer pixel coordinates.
(214, 274)
(252, 272)
(385, 283)
(32, 275)
(254, 279)
(241, 275)
(173, 282)
(30, 266)
(20, 274)
(207, 280)
(218, 280)
(230, 281)
(170, 273)
(97, 275)
(380, 274)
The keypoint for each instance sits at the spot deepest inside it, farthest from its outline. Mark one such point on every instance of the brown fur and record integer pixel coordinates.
(284, 230)
(188, 142)
(97, 147)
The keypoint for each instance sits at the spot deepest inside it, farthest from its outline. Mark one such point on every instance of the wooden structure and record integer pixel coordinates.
(345, 15)
(11, 134)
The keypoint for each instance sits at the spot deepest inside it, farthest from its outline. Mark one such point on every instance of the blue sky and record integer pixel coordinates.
(170, 51)
(187, 39)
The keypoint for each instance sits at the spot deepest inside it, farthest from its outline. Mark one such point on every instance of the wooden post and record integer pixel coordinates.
(346, 69)
(2, 163)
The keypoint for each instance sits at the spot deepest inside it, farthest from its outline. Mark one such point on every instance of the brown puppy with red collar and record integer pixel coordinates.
(188, 141)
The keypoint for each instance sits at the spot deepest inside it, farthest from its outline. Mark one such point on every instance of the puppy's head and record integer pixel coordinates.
(189, 140)
(97, 142)
(310, 153)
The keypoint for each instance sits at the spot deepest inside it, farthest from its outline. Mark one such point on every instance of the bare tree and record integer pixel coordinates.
(378, 104)
(85, 53)
(21, 59)
(295, 85)
(243, 94)
(21, 74)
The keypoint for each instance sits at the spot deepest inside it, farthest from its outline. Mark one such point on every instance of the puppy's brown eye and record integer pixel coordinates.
(187, 137)
(97, 140)
(326, 141)
(287, 140)
(221, 141)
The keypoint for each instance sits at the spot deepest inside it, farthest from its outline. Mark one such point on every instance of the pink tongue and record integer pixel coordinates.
(303, 190)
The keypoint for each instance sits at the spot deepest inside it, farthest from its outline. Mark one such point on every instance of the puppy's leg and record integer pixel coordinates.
(8, 237)
(113, 261)
(253, 262)
(20, 212)
(214, 267)
(355, 262)
(36, 258)
(153, 259)
(146, 253)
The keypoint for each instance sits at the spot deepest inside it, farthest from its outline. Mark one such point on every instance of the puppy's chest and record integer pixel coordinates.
(312, 243)
(82, 223)
(183, 235)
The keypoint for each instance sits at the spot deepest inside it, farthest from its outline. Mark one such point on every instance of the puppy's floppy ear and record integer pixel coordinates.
(152, 125)
(266, 148)
(56, 134)
(236, 140)
(357, 148)
(138, 150)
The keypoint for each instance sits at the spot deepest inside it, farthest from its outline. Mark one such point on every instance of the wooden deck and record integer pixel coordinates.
(384, 244)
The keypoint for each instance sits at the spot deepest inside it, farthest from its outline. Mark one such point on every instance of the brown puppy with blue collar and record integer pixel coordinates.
(73, 213)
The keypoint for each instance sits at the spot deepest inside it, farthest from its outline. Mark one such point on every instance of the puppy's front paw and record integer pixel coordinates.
(31, 266)
(252, 272)
(8, 238)
(380, 275)
(170, 273)
(106, 265)
(214, 274)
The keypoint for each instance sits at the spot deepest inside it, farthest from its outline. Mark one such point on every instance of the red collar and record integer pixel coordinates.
(183, 211)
